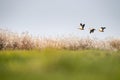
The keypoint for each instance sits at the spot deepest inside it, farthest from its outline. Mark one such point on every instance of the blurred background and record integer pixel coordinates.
(61, 17)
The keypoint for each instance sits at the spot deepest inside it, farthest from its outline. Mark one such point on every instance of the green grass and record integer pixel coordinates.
(55, 64)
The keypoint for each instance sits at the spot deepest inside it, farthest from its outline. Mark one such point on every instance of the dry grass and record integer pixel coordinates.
(115, 44)
(10, 40)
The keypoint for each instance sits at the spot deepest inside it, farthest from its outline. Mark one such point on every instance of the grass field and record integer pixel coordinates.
(26, 57)
(58, 64)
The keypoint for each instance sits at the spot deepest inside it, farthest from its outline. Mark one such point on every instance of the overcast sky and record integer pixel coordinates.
(61, 17)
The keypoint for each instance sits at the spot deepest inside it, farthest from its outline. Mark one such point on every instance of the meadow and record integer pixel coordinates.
(24, 57)
(56, 64)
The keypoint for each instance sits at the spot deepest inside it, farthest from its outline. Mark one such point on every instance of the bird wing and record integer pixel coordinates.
(81, 24)
(90, 31)
(103, 27)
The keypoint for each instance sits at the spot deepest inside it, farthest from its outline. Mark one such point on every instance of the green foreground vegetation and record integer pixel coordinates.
(55, 64)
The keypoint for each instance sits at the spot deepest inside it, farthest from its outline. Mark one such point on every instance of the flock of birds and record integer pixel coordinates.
(82, 26)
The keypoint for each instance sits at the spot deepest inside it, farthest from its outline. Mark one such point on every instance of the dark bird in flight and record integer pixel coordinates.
(81, 26)
(92, 30)
(102, 29)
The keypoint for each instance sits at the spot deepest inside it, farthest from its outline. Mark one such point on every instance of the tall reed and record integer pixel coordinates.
(10, 40)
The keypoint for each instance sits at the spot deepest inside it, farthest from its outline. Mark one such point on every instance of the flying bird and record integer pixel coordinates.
(102, 29)
(81, 26)
(92, 30)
